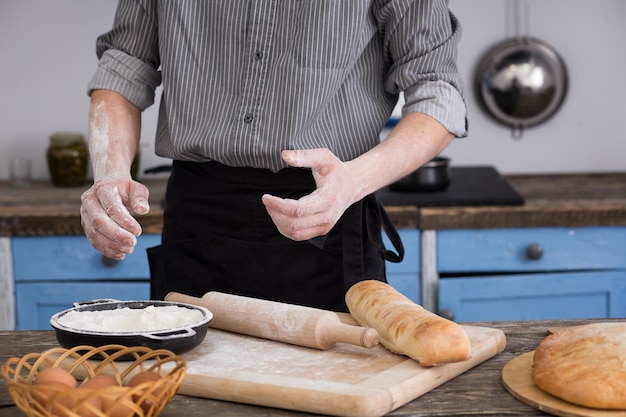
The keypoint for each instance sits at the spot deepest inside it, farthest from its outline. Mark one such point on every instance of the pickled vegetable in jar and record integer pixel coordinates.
(67, 159)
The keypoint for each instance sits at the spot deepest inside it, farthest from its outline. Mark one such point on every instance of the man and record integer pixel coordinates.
(271, 112)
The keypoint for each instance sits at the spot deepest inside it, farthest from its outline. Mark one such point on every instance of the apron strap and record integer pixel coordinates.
(353, 270)
(394, 237)
(363, 248)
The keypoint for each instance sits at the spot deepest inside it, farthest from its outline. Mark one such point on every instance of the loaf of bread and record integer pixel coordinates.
(585, 365)
(405, 327)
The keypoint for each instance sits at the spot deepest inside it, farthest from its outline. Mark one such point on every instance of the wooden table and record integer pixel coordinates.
(478, 392)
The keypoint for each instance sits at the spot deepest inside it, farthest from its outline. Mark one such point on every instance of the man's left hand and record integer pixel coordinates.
(314, 214)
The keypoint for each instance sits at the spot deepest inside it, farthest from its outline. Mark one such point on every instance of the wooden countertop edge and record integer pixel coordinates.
(552, 200)
(49, 222)
(531, 215)
(45, 221)
(54, 224)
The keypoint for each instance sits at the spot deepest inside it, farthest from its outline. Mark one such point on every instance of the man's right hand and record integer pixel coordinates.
(106, 216)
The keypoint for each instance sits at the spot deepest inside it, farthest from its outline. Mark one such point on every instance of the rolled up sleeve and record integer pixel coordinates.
(128, 54)
(421, 39)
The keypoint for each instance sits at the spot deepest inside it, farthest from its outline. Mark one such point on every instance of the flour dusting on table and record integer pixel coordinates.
(225, 353)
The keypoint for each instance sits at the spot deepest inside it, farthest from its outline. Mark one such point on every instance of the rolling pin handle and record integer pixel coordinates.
(366, 337)
(369, 337)
(184, 298)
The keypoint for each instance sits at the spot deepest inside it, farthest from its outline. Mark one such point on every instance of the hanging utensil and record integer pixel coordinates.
(521, 81)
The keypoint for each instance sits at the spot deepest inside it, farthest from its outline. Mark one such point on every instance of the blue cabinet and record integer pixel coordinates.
(571, 295)
(506, 250)
(62, 258)
(53, 272)
(486, 274)
(38, 301)
(405, 276)
(532, 273)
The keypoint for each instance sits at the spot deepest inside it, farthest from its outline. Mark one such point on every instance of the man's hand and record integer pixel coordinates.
(114, 128)
(314, 214)
(415, 140)
(106, 218)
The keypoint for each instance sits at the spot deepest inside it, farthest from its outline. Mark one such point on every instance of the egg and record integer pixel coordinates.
(42, 393)
(99, 381)
(117, 403)
(48, 375)
(79, 401)
(146, 377)
(109, 396)
(59, 399)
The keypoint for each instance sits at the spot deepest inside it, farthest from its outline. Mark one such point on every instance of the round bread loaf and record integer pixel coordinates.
(585, 365)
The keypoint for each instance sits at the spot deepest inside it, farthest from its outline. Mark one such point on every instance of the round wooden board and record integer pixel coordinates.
(517, 381)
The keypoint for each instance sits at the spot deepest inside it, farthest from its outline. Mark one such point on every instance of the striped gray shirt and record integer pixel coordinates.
(245, 79)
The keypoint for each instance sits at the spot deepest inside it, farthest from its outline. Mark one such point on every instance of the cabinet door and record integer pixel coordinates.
(511, 250)
(572, 295)
(65, 258)
(37, 302)
(405, 276)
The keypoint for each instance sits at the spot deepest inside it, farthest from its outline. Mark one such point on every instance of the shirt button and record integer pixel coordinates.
(248, 118)
(258, 55)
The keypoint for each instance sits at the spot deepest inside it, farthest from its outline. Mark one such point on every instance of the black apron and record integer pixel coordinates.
(217, 236)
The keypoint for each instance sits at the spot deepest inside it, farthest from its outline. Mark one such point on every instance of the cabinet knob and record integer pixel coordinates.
(109, 262)
(534, 251)
(447, 314)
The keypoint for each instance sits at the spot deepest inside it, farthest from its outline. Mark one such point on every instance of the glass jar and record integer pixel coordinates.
(67, 159)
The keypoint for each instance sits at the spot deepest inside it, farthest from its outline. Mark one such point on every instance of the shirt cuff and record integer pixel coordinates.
(441, 101)
(132, 78)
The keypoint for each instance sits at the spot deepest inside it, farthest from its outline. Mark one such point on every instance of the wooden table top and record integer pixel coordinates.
(554, 200)
(478, 392)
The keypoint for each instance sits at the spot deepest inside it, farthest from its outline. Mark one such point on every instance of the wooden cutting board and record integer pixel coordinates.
(345, 380)
(517, 381)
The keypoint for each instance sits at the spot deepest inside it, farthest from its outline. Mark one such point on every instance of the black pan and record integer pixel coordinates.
(432, 176)
(178, 340)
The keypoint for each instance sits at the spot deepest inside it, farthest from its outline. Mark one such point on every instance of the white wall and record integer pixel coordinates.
(588, 132)
(47, 56)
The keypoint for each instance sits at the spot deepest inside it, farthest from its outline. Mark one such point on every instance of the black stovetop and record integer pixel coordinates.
(469, 186)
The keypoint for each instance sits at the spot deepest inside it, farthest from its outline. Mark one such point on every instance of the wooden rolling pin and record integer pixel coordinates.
(298, 325)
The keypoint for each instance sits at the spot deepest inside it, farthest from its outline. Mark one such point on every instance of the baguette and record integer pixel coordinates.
(405, 327)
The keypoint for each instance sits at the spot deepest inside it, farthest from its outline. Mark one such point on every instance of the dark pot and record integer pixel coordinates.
(177, 340)
(432, 176)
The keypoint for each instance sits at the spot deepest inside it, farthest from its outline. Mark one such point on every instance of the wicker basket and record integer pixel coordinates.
(145, 399)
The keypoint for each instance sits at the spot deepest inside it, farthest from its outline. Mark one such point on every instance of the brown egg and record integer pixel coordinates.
(99, 381)
(79, 401)
(109, 395)
(123, 407)
(43, 392)
(47, 375)
(146, 377)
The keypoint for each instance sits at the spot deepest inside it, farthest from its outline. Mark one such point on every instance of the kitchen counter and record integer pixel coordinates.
(479, 391)
(550, 201)
(572, 200)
